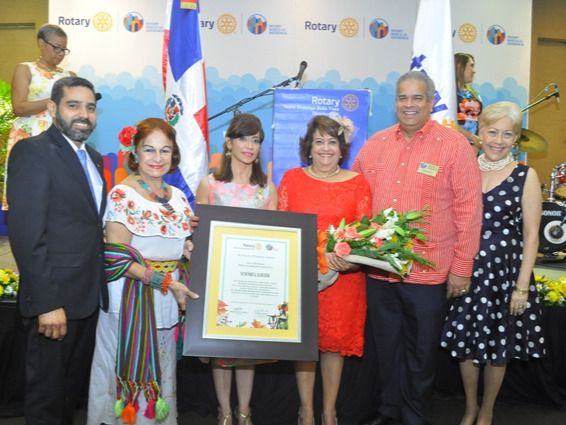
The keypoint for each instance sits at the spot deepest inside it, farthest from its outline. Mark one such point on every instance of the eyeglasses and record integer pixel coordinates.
(57, 49)
(508, 136)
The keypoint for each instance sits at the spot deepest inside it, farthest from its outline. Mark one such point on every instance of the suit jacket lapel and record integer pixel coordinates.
(70, 158)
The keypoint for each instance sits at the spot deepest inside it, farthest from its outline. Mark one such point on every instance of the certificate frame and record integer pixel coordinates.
(293, 238)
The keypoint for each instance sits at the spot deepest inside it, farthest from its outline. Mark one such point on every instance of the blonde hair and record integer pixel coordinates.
(499, 110)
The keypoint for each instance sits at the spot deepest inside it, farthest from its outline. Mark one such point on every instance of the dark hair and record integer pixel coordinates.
(242, 125)
(57, 90)
(46, 30)
(460, 62)
(328, 126)
(145, 128)
(419, 76)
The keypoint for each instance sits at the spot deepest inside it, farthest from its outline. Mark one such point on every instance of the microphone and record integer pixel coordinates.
(299, 76)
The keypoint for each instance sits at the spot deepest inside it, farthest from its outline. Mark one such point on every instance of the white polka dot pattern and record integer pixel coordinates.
(479, 325)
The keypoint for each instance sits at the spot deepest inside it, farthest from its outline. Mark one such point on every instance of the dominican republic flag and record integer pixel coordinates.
(433, 54)
(185, 92)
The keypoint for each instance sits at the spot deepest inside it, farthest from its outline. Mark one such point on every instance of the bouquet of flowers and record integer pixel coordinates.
(385, 241)
(551, 292)
(9, 282)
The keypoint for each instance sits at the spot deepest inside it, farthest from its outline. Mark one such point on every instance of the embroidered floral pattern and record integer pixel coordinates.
(147, 218)
(39, 88)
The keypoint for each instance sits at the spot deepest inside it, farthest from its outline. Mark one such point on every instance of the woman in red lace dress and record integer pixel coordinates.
(331, 192)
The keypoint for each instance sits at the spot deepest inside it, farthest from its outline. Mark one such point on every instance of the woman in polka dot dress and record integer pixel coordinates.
(499, 318)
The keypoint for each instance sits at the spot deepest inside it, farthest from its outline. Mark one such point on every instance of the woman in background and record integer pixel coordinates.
(469, 103)
(332, 193)
(500, 318)
(31, 86)
(240, 182)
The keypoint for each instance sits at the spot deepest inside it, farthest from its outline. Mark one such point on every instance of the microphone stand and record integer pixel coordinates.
(548, 96)
(235, 108)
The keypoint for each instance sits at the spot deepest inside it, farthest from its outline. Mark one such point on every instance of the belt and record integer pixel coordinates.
(163, 266)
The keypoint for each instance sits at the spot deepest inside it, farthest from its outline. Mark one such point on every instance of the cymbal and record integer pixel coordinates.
(531, 142)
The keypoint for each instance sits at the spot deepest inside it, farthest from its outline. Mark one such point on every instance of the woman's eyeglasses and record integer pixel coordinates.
(58, 50)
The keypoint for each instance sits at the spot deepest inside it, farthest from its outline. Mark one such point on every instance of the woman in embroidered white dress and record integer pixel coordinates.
(240, 182)
(150, 216)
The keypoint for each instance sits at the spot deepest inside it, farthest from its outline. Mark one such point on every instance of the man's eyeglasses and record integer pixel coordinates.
(57, 49)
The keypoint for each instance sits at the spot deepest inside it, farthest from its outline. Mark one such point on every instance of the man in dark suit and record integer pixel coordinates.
(55, 226)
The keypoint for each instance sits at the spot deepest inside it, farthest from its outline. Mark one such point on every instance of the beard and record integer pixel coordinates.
(75, 134)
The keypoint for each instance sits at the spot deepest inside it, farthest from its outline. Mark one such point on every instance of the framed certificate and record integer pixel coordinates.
(256, 274)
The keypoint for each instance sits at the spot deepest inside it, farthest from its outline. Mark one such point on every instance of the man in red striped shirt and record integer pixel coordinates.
(422, 165)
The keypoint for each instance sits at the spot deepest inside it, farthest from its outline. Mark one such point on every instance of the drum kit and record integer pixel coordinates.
(552, 233)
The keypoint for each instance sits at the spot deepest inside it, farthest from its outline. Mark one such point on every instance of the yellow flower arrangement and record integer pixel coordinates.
(551, 292)
(9, 283)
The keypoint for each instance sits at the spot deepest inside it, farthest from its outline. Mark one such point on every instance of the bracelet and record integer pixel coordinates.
(165, 283)
(522, 291)
(147, 275)
(157, 280)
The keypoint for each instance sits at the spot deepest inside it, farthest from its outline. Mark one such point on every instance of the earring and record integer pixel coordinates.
(136, 159)
(256, 160)
(228, 154)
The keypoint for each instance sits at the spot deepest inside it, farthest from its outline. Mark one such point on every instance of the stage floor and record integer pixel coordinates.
(447, 411)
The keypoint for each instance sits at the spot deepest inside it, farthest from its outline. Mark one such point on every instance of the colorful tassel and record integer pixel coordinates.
(150, 410)
(161, 410)
(129, 414)
(118, 407)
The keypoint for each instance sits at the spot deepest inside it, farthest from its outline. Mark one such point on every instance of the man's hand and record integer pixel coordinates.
(457, 286)
(53, 324)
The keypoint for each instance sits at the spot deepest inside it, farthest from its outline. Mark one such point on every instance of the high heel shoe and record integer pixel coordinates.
(224, 419)
(244, 419)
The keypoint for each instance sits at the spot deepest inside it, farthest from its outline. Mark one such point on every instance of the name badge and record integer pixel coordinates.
(428, 169)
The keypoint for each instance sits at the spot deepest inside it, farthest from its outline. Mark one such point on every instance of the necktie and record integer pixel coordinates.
(82, 158)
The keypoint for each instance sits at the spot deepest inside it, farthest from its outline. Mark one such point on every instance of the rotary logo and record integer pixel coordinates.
(257, 24)
(379, 28)
(467, 33)
(350, 102)
(102, 21)
(496, 34)
(173, 109)
(133, 21)
(349, 27)
(226, 23)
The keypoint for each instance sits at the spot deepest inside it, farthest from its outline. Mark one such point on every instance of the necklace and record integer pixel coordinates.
(323, 176)
(486, 165)
(163, 200)
(45, 67)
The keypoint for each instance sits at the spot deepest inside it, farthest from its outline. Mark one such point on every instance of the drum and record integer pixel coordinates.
(559, 175)
(552, 234)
